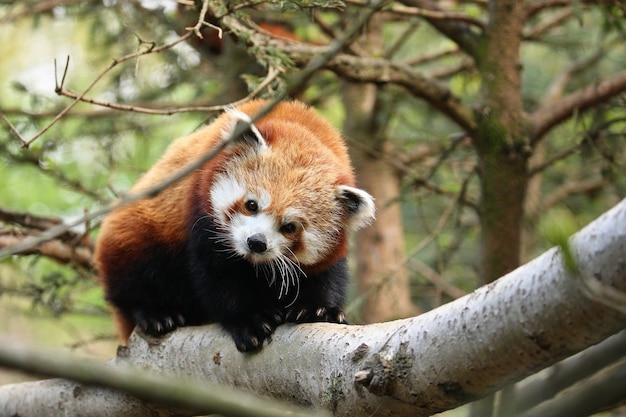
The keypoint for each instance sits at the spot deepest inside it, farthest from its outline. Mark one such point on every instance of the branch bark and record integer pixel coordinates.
(528, 320)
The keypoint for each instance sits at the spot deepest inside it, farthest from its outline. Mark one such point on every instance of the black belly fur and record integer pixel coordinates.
(205, 282)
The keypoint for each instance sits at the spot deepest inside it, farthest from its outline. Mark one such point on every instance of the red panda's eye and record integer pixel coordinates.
(288, 228)
(252, 206)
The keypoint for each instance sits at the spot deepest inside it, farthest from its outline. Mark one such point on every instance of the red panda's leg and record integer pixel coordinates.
(322, 297)
(123, 324)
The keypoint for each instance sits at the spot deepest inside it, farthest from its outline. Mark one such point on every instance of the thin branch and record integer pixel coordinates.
(561, 81)
(68, 248)
(602, 391)
(433, 14)
(55, 249)
(29, 220)
(272, 74)
(97, 79)
(534, 170)
(57, 175)
(38, 7)
(197, 29)
(572, 370)
(571, 188)
(13, 129)
(552, 114)
(435, 278)
(430, 57)
(547, 24)
(458, 31)
(538, 6)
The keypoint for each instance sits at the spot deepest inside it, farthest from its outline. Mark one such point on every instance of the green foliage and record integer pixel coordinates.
(557, 227)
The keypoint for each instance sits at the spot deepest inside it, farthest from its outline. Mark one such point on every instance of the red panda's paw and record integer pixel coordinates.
(309, 314)
(158, 325)
(250, 335)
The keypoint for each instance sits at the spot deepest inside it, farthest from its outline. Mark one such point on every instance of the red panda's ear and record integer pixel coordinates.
(358, 204)
(241, 125)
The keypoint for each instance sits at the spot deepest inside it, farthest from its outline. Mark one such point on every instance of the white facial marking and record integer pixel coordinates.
(243, 226)
(315, 245)
(238, 115)
(366, 210)
(225, 192)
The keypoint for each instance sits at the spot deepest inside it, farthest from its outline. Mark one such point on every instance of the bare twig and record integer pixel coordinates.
(38, 7)
(434, 14)
(572, 188)
(55, 174)
(272, 74)
(559, 156)
(459, 30)
(55, 249)
(546, 24)
(105, 71)
(197, 29)
(28, 220)
(550, 115)
(13, 128)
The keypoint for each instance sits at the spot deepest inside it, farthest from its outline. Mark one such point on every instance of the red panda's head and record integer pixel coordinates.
(282, 197)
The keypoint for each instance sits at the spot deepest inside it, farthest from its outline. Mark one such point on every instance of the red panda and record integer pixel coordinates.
(254, 238)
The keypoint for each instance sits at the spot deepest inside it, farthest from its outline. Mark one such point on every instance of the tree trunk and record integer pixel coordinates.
(501, 141)
(382, 280)
(501, 144)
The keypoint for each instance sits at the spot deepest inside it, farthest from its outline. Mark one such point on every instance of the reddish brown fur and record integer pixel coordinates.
(163, 220)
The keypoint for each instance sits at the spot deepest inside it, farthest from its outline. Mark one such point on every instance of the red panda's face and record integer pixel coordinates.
(280, 205)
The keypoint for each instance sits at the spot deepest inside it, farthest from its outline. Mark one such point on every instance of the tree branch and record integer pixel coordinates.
(182, 395)
(555, 112)
(542, 387)
(457, 30)
(57, 250)
(369, 70)
(59, 87)
(272, 74)
(502, 332)
(602, 391)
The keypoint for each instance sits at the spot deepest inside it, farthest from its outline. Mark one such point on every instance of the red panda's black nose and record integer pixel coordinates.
(257, 243)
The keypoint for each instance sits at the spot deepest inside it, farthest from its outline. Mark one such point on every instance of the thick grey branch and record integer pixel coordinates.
(501, 333)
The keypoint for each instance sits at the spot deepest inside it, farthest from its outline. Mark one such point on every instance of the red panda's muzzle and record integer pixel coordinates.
(257, 243)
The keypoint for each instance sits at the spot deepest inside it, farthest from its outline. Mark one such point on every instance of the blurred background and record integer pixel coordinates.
(480, 156)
